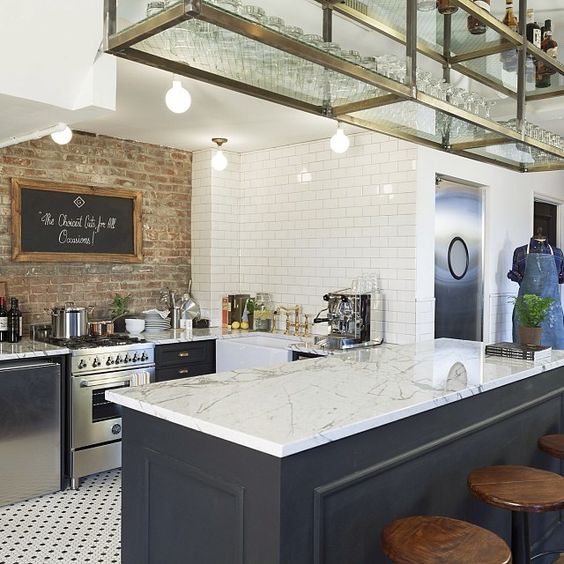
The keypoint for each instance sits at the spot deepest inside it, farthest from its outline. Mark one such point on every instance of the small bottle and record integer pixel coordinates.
(15, 325)
(549, 44)
(475, 26)
(445, 7)
(534, 34)
(3, 320)
(510, 58)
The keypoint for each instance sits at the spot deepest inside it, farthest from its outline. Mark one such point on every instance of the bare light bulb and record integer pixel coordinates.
(219, 161)
(339, 142)
(62, 137)
(178, 99)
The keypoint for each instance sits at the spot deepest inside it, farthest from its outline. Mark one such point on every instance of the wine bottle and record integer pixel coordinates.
(475, 26)
(510, 58)
(3, 320)
(445, 7)
(534, 34)
(15, 328)
(549, 44)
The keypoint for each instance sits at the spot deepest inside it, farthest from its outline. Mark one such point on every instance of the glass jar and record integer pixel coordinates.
(426, 5)
(263, 312)
(475, 26)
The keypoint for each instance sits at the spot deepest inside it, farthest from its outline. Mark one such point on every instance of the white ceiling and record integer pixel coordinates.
(248, 123)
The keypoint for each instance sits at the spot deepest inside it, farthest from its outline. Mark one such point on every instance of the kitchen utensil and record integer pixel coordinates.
(69, 321)
(175, 317)
(190, 307)
(135, 325)
(98, 327)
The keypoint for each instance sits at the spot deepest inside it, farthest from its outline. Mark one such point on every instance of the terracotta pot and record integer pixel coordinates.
(530, 335)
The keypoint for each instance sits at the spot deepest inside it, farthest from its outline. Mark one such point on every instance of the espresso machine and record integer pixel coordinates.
(355, 319)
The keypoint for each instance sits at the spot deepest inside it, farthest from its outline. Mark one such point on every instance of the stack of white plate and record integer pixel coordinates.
(154, 323)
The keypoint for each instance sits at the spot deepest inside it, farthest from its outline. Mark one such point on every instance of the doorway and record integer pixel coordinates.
(459, 237)
(546, 221)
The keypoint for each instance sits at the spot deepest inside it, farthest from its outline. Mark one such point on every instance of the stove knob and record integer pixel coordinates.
(134, 359)
(109, 361)
(144, 356)
(81, 364)
(96, 363)
(118, 359)
(126, 358)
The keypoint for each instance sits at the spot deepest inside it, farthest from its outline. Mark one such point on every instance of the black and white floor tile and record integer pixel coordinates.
(78, 527)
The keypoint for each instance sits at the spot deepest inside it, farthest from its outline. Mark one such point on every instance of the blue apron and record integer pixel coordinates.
(541, 278)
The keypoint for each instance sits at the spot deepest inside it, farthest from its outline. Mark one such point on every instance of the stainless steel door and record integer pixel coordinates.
(30, 430)
(459, 230)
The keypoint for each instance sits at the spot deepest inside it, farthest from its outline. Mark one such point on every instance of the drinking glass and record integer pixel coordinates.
(274, 22)
(251, 12)
(426, 5)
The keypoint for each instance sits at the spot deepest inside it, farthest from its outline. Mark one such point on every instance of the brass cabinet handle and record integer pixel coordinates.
(183, 371)
(183, 354)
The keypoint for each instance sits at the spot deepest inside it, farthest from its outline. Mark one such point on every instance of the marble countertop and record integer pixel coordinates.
(27, 348)
(180, 336)
(301, 405)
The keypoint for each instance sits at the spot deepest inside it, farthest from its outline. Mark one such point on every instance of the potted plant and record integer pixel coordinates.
(531, 310)
(120, 307)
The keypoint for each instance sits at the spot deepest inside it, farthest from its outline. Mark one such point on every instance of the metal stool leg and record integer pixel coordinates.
(520, 541)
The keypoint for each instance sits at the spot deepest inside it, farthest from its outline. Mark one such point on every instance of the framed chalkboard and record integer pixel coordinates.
(61, 222)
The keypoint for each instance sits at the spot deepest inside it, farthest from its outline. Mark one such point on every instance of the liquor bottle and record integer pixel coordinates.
(445, 7)
(475, 26)
(534, 34)
(549, 44)
(510, 58)
(15, 329)
(3, 320)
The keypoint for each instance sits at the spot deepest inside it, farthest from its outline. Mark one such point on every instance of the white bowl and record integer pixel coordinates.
(134, 325)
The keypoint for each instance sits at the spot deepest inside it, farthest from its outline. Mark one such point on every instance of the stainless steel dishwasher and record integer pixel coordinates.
(30, 429)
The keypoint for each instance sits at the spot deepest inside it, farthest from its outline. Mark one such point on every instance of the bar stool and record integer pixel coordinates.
(552, 444)
(522, 490)
(441, 540)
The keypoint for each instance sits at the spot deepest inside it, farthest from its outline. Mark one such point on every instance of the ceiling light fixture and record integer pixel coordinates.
(178, 99)
(63, 135)
(219, 160)
(340, 142)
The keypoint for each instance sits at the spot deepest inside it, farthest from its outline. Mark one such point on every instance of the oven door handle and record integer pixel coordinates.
(104, 383)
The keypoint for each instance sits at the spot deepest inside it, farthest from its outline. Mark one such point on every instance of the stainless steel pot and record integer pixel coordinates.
(69, 321)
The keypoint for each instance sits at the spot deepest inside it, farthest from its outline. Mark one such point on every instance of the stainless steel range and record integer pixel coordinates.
(94, 424)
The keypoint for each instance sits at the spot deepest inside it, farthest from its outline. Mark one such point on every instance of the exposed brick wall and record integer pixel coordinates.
(162, 174)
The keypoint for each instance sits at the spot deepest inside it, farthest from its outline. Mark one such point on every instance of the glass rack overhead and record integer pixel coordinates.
(214, 41)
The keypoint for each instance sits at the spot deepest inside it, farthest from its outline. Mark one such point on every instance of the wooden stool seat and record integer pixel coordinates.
(553, 445)
(518, 488)
(441, 540)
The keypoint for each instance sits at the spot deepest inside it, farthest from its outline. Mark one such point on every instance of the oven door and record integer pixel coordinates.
(94, 419)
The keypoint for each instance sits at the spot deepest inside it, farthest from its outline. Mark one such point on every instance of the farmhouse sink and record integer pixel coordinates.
(253, 351)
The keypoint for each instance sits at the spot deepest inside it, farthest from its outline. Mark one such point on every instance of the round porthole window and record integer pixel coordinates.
(458, 258)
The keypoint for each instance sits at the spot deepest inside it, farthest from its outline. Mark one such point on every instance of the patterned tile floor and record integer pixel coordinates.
(67, 527)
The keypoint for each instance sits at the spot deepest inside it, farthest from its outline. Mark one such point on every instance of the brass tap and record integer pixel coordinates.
(306, 325)
(288, 324)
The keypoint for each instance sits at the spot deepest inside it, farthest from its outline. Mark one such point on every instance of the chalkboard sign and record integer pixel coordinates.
(60, 222)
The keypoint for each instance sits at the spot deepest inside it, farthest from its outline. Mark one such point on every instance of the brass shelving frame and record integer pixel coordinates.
(128, 44)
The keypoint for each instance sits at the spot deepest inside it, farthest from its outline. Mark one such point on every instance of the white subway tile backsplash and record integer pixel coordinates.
(299, 221)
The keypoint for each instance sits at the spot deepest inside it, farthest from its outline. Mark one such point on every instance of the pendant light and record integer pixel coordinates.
(340, 142)
(219, 160)
(63, 136)
(178, 99)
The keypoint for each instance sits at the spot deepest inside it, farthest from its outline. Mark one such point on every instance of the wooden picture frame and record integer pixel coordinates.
(76, 231)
